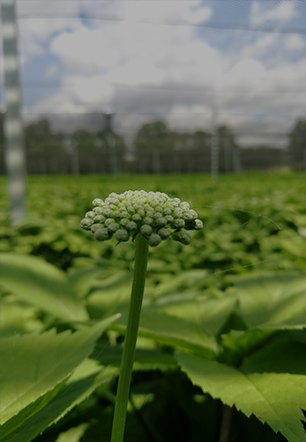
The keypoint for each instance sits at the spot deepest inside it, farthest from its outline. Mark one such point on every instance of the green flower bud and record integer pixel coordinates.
(122, 235)
(177, 213)
(169, 218)
(184, 206)
(178, 223)
(98, 210)
(102, 234)
(113, 227)
(90, 214)
(95, 227)
(97, 202)
(131, 226)
(198, 224)
(167, 211)
(192, 214)
(164, 233)
(124, 214)
(124, 222)
(157, 215)
(154, 240)
(99, 219)
(86, 223)
(108, 221)
(148, 220)
(182, 236)
(136, 217)
(161, 222)
(107, 211)
(146, 230)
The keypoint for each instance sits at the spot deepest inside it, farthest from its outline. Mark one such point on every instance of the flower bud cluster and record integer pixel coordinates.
(153, 214)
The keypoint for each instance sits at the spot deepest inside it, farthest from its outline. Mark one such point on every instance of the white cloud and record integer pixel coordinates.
(294, 42)
(270, 10)
(35, 33)
(260, 46)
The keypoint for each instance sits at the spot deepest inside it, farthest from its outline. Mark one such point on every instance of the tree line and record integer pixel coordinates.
(154, 136)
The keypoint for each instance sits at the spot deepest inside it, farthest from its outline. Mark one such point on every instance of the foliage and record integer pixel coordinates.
(39, 136)
(83, 139)
(222, 330)
(297, 143)
(153, 136)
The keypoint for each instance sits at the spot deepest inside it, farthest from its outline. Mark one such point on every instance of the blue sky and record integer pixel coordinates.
(169, 59)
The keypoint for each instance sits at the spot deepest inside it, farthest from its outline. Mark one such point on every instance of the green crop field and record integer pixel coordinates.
(222, 343)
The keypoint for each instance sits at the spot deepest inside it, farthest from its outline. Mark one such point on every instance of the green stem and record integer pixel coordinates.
(226, 423)
(126, 367)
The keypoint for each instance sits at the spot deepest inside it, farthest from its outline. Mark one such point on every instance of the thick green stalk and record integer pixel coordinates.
(126, 367)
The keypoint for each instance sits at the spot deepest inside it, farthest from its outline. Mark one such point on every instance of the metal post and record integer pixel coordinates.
(13, 130)
(111, 142)
(214, 146)
(227, 153)
(237, 159)
(73, 153)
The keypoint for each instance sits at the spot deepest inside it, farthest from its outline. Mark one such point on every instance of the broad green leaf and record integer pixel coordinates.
(27, 412)
(87, 377)
(145, 359)
(174, 331)
(275, 398)
(279, 356)
(35, 364)
(41, 285)
(73, 435)
(110, 295)
(273, 301)
(17, 318)
(82, 279)
(208, 311)
(90, 279)
(238, 343)
(187, 279)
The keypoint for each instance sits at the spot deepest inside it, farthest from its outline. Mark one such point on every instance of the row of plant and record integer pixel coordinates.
(247, 219)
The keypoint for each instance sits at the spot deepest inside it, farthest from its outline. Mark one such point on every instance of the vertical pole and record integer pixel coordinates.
(227, 153)
(13, 130)
(111, 142)
(237, 159)
(214, 146)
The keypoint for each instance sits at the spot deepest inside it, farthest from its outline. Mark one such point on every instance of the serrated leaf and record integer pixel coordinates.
(73, 435)
(89, 279)
(181, 282)
(42, 285)
(35, 364)
(86, 378)
(174, 331)
(144, 359)
(30, 410)
(273, 301)
(16, 318)
(275, 398)
(279, 356)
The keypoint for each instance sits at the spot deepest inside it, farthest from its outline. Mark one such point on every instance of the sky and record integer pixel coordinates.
(191, 63)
